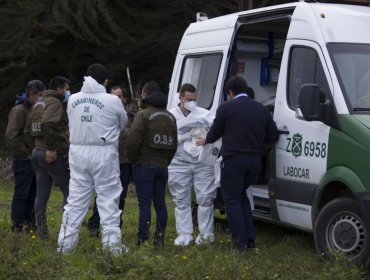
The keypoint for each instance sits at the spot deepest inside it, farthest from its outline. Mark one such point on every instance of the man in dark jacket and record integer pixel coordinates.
(47, 124)
(151, 145)
(245, 126)
(22, 208)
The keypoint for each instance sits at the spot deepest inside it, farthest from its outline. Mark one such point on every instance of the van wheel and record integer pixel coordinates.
(340, 228)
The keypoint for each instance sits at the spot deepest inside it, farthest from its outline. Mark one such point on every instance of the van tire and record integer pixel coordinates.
(339, 227)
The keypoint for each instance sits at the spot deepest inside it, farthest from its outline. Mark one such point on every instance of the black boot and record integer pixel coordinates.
(42, 228)
(158, 240)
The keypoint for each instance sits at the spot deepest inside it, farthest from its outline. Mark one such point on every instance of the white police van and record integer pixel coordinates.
(310, 64)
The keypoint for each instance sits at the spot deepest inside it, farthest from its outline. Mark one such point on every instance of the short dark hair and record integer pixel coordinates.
(151, 87)
(124, 91)
(34, 86)
(236, 84)
(58, 82)
(98, 72)
(187, 87)
(250, 92)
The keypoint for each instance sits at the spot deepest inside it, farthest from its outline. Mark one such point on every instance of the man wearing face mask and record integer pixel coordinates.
(187, 171)
(47, 124)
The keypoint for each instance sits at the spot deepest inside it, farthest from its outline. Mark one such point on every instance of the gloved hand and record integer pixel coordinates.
(183, 137)
(199, 132)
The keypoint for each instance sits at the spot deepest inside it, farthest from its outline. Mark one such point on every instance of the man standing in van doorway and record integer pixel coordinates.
(245, 126)
(186, 171)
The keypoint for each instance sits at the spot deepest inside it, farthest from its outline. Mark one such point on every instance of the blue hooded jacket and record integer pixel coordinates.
(22, 98)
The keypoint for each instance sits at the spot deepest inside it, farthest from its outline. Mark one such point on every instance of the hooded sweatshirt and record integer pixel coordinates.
(95, 117)
(20, 145)
(152, 139)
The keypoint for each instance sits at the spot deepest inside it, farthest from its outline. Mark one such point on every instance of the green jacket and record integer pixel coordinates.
(123, 158)
(48, 124)
(152, 139)
(18, 143)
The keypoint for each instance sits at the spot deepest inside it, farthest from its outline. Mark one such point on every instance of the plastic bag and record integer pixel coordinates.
(210, 152)
(190, 146)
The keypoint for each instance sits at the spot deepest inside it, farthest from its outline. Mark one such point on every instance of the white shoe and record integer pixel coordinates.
(204, 239)
(118, 250)
(184, 240)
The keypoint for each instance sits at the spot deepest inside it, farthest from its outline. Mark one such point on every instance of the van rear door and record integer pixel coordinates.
(201, 60)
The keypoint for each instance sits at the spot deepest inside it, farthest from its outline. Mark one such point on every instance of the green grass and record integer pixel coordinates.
(281, 254)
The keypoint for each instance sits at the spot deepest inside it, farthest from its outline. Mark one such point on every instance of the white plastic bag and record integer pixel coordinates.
(209, 153)
(190, 145)
(217, 167)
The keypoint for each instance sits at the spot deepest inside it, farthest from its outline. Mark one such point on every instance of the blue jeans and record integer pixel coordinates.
(150, 182)
(236, 176)
(22, 208)
(125, 176)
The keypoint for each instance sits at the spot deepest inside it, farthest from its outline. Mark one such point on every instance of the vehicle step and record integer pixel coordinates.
(260, 191)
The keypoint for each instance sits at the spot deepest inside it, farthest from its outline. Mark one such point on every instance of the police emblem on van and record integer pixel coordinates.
(297, 145)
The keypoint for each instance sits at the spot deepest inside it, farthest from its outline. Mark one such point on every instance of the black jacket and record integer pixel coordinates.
(244, 125)
(152, 139)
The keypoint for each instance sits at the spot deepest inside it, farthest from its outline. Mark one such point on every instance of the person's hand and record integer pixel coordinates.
(51, 156)
(200, 141)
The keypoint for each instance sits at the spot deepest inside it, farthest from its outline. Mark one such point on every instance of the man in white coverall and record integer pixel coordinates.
(95, 121)
(186, 171)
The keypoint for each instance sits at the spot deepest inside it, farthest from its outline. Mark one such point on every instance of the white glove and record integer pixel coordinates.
(184, 137)
(198, 132)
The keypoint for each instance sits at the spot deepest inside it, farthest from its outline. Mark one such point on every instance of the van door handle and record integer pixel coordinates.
(283, 131)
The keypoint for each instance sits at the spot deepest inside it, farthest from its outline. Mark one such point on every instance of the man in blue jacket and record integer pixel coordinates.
(245, 127)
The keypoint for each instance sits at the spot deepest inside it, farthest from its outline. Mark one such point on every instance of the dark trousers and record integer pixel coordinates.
(236, 176)
(150, 183)
(125, 176)
(22, 208)
(46, 174)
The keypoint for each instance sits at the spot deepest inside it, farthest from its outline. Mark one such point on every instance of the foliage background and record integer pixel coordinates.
(43, 38)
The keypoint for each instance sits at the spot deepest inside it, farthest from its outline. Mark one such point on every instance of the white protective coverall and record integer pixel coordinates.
(185, 171)
(95, 121)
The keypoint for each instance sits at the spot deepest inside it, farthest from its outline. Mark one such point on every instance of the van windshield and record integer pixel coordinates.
(352, 65)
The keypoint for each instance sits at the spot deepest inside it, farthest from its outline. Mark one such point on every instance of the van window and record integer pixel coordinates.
(305, 68)
(202, 72)
(352, 65)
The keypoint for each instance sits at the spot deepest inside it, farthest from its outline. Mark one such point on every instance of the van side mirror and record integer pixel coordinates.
(314, 106)
(309, 102)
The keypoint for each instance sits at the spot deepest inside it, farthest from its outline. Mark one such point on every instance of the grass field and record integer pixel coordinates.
(281, 253)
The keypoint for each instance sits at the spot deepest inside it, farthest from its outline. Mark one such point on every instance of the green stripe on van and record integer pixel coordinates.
(349, 153)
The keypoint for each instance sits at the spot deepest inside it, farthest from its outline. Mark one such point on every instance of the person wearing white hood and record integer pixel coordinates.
(95, 121)
(186, 171)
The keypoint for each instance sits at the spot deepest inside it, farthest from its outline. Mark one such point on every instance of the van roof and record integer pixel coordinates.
(320, 22)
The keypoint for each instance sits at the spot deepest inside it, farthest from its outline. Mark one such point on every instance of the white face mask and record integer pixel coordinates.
(67, 95)
(190, 105)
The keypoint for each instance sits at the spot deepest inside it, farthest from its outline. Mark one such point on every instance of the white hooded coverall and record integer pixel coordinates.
(95, 121)
(185, 171)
